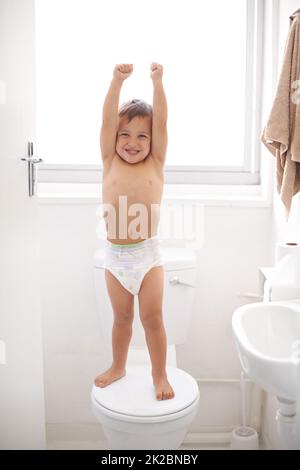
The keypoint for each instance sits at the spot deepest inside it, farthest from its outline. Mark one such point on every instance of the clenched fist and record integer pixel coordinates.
(122, 71)
(156, 71)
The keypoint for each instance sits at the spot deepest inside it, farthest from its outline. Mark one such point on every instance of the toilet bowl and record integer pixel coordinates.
(132, 417)
(128, 410)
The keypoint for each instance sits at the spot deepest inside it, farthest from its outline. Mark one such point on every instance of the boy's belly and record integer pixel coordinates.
(133, 222)
(132, 206)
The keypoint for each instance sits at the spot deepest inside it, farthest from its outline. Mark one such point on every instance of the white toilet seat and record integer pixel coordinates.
(132, 398)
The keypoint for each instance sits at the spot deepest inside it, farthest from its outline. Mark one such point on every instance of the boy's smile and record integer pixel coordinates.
(134, 139)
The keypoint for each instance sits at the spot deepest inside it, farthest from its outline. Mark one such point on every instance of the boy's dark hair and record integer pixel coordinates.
(133, 108)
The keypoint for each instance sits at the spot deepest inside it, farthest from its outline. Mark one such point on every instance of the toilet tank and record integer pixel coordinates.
(178, 298)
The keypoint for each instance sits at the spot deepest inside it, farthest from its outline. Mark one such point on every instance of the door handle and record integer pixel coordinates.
(31, 168)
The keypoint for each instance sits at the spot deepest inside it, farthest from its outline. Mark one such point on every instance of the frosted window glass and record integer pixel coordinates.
(202, 46)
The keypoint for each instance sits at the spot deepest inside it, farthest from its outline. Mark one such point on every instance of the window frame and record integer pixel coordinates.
(246, 174)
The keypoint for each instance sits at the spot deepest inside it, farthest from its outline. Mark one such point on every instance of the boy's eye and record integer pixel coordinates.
(141, 135)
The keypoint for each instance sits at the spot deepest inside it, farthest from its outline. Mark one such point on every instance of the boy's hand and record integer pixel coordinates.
(156, 71)
(122, 71)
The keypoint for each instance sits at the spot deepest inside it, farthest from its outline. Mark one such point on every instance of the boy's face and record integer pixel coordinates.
(134, 139)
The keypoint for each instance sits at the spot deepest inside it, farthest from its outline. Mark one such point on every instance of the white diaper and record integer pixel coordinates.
(130, 263)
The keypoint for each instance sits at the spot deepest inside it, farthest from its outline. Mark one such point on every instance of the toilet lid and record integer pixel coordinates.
(134, 394)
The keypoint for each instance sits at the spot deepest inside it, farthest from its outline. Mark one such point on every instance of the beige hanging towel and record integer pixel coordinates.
(282, 132)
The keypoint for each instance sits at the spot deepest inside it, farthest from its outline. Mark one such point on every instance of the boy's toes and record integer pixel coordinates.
(100, 382)
(164, 390)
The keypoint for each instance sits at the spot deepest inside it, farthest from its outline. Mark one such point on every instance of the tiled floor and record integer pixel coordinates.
(102, 445)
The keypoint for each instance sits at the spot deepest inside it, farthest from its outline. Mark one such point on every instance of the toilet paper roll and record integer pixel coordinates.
(286, 248)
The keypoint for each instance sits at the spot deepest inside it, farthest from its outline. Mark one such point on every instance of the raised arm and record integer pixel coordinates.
(159, 139)
(109, 126)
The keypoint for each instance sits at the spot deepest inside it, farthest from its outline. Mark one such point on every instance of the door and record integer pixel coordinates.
(22, 416)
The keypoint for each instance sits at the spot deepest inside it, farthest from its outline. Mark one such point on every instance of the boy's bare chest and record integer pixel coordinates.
(141, 183)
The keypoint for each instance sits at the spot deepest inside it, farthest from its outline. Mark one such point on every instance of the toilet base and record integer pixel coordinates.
(162, 435)
(118, 440)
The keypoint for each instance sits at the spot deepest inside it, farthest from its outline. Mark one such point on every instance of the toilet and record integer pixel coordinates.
(130, 414)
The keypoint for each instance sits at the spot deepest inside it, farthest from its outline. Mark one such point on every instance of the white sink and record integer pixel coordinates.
(267, 336)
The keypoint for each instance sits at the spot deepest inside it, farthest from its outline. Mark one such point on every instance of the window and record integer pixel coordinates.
(211, 59)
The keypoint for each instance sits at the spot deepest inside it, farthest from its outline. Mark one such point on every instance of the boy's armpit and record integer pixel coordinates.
(159, 141)
(108, 137)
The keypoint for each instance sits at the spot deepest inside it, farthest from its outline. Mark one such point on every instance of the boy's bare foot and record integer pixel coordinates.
(109, 376)
(164, 391)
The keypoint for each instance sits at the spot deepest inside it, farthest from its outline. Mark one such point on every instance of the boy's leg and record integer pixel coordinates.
(150, 306)
(122, 302)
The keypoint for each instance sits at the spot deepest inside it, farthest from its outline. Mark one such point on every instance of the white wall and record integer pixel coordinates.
(238, 240)
(236, 245)
(282, 230)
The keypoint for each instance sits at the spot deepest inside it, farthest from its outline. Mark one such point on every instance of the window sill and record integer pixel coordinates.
(210, 195)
